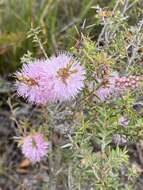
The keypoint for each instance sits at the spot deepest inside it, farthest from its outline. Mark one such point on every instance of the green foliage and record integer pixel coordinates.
(97, 170)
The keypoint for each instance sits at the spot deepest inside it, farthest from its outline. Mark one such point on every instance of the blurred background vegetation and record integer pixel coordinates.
(57, 20)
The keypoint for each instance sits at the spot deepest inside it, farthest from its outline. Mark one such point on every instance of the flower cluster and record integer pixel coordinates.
(34, 147)
(127, 82)
(106, 89)
(33, 83)
(116, 85)
(58, 78)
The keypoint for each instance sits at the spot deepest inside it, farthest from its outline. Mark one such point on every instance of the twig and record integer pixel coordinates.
(10, 177)
(107, 33)
(105, 26)
(132, 4)
(41, 46)
(70, 24)
(13, 118)
(34, 34)
(125, 6)
(135, 50)
(116, 6)
(70, 179)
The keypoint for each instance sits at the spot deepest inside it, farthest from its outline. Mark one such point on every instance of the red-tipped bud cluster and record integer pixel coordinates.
(127, 82)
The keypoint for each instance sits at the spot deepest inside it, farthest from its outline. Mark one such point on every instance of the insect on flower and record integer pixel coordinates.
(32, 82)
(29, 81)
(105, 13)
(64, 73)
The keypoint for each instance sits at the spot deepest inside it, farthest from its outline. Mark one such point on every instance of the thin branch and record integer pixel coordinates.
(135, 50)
(125, 6)
(41, 46)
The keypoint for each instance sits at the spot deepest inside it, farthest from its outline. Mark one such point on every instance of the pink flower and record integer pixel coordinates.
(34, 147)
(68, 76)
(33, 82)
(123, 121)
(59, 78)
(116, 86)
(130, 82)
(106, 89)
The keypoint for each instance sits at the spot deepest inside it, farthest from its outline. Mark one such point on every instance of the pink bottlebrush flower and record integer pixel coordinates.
(68, 76)
(116, 85)
(130, 82)
(33, 82)
(34, 147)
